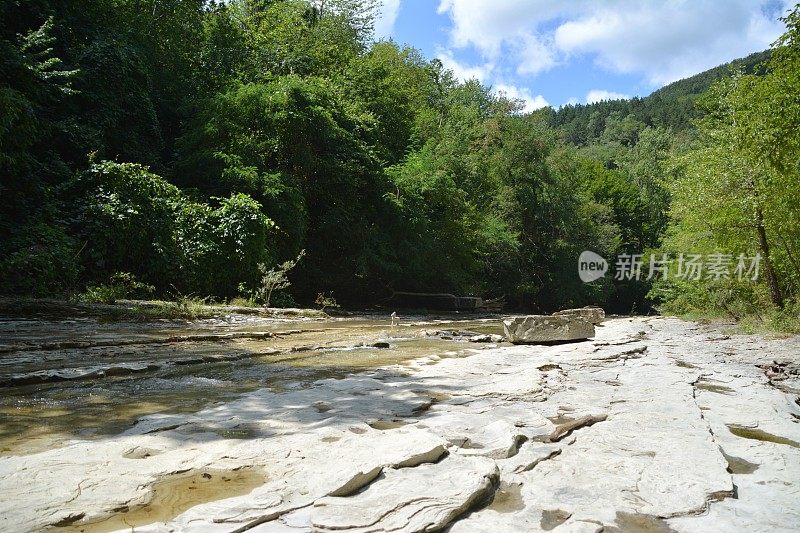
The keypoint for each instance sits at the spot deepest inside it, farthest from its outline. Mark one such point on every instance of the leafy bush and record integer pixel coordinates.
(724, 298)
(282, 299)
(125, 221)
(222, 248)
(274, 279)
(240, 231)
(39, 260)
(121, 285)
(326, 300)
(240, 301)
(130, 219)
(788, 318)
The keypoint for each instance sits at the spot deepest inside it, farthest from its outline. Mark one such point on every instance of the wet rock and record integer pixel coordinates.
(533, 329)
(71, 374)
(566, 428)
(486, 338)
(381, 344)
(784, 375)
(449, 334)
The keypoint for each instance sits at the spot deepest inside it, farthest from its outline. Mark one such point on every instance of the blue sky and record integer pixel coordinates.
(549, 52)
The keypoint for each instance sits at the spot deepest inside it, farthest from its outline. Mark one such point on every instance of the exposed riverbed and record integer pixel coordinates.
(263, 424)
(84, 378)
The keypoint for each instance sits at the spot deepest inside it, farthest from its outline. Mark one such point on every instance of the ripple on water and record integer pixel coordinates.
(186, 381)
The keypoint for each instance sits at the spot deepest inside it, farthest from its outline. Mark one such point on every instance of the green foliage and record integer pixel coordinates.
(768, 114)
(294, 37)
(293, 144)
(274, 279)
(746, 303)
(33, 83)
(121, 285)
(435, 227)
(736, 191)
(220, 248)
(128, 217)
(240, 301)
(394, 86)
(274, 126)
(673, 106)
(117, 105)
(38, 260)
(125, 220)
(282, 299)
(326, 300)
(724, 298)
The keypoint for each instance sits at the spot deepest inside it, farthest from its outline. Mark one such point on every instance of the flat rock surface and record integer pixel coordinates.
(654, 425)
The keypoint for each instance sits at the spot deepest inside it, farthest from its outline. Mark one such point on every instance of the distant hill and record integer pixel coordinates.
(672, 106)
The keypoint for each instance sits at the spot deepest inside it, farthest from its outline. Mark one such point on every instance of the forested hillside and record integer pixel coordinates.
(188, 147)
(673, 106)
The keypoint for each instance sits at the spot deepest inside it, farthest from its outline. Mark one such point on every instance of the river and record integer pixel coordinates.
(84, 378)
(355, 424)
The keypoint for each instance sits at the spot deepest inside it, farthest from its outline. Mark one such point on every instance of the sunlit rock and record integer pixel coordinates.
(592, 314)
(533, 329)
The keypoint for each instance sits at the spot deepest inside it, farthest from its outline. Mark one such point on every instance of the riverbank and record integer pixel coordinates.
(352, 424)
(145, 309)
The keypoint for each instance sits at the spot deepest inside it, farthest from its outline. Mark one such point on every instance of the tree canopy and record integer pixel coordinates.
(194, 144)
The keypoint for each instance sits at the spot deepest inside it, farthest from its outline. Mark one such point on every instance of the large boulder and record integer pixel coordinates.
(591, 314)
(534, 329)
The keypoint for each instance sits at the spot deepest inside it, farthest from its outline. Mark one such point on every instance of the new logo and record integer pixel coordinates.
(591, 266)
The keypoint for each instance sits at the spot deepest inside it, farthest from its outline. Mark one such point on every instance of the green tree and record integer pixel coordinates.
(731, 200)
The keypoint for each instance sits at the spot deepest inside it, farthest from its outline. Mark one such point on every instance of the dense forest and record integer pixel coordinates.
(188, 147)
(673, 106)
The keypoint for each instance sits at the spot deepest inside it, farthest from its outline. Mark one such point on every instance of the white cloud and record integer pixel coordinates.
(534, 55)
(500, 27)
(384, 24)
(572, 101)
(670, 40)
(487, 24)
(464, 72)
(598, 95)
(661, 41)
(529, 101)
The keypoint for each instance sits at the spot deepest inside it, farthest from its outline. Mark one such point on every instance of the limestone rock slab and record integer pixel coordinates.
(591, 314)
(425, 498)
(532, 329)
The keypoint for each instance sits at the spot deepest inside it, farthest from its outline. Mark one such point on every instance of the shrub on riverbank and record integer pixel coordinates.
(128, 219)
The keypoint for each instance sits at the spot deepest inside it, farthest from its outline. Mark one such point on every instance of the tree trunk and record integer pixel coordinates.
(769, 272)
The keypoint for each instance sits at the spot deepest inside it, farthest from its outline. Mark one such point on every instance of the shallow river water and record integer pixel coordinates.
(82, 378)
